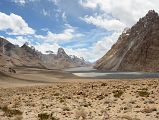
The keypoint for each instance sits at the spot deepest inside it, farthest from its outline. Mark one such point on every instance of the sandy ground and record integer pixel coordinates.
(38, 94)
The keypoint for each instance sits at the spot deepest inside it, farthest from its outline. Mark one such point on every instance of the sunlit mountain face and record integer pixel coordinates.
(85, 28)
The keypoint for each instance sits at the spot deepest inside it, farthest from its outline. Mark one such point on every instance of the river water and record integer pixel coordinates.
(89, 72)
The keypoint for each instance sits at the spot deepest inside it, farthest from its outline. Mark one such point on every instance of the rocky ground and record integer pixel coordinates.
(87, 100)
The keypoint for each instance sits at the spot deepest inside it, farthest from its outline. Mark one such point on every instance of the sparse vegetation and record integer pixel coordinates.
(62, 100)
(143, 93)
(56, 94)
(66, 108)
(45, 116)
(117, 93)
(104, 84)
(10, 112)
(79, 102)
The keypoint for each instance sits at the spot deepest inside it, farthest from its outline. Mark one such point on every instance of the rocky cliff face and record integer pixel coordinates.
(137, 49)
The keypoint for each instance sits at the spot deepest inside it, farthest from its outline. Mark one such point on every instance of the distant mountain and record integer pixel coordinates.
(13, 55)
(62, 60)
(137, 49)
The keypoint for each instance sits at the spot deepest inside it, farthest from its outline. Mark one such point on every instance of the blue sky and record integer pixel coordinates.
(86, 28)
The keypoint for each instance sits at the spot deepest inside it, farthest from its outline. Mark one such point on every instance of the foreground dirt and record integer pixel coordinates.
(89, 100)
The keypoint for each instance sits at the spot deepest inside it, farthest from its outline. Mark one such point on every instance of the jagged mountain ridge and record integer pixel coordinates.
(137, 49)
(13, 55)
(62, 60)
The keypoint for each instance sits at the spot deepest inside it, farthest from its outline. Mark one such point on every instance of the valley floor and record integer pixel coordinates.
(34, 94)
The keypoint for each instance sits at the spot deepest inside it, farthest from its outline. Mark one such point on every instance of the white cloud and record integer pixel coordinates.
(103, 45)
(16, 24)
(19, 40)
(127, 11)
(46, 47)
(66, 35)
(102, 22)
(90, 3)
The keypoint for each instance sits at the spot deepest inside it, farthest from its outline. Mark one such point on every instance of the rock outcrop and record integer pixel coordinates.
(137, 49)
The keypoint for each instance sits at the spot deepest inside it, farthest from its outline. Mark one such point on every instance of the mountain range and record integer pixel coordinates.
(137, 49)
(25, 56)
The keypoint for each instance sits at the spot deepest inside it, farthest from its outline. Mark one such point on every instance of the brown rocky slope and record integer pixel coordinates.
(137, 49)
